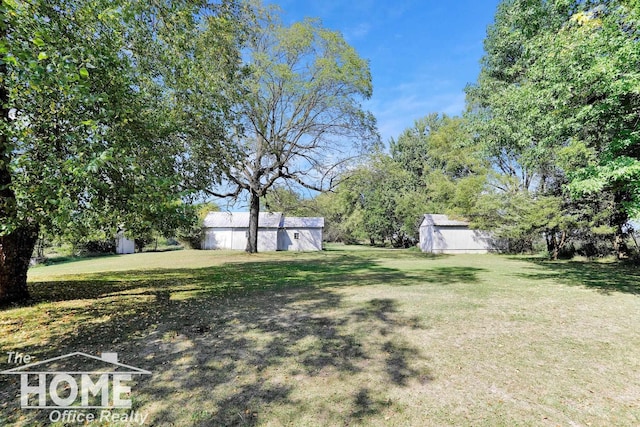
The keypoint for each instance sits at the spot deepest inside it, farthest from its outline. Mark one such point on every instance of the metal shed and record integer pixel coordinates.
(229, 230)
(124, 245)
(301, 234)
(439, 234)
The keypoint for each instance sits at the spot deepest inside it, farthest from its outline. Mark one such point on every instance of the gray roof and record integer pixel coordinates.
(303, 222)
(241, 220)
(442, 220)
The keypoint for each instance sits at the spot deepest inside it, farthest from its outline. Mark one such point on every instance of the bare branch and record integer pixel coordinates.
(232, 194)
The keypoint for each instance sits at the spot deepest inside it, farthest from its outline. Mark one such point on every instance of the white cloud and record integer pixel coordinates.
(396, 108)
(359, 31)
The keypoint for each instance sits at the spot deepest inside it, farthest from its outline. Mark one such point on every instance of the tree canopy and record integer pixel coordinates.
(93, 128)
(432, 167)
(555, 109)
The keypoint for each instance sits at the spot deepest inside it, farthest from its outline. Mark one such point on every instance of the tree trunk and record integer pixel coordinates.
(552, 248)
(620, 244)
(618, 220)
(254, 211)
(16, 247)
(554, 245)
(15, 253)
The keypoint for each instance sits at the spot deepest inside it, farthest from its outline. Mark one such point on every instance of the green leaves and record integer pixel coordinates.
(555, 110)
(103, 133)
(433, 167)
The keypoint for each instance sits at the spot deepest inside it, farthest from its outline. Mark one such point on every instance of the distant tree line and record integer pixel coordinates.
(547, 151)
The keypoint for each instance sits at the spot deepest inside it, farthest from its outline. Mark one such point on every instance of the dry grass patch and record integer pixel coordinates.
(344, 337)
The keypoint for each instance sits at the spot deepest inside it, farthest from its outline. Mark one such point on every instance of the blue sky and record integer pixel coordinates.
(422, 53)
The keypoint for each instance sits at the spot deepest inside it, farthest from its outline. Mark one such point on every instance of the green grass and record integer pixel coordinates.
(349, 336)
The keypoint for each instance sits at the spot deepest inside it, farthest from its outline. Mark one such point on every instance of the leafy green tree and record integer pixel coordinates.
(343, 214)
(433, 167)
(51, 142)
(189, 68)
(366, 204)
(84, 145)
(192, 233)
(555, 105)
(447, 169)
(591, 71)
(383, 189)
(302, 117)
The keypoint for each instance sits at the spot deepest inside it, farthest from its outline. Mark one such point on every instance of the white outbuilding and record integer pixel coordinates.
(301, 234)
(229, 230)
(439, 234)
(124, 245)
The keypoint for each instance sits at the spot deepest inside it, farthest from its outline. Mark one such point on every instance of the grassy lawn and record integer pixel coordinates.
(369, 337)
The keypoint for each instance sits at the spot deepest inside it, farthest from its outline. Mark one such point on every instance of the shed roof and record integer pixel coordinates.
(241, 220)
(442, 221)
(303, 222)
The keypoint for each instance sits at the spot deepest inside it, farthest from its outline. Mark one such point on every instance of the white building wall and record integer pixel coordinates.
(308, 239)
(454, 239)
(124, 245)
(283, 240)
(227, 230)
(220, 238)
(426, 238)
(267, 240)
(236, 239)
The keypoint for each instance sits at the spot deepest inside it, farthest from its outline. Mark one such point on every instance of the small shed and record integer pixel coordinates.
(301, 234)
(439, 234)
(229, 230)
(123, 244)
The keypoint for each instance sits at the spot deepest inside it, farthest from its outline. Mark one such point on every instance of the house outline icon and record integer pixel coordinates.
(109, 359)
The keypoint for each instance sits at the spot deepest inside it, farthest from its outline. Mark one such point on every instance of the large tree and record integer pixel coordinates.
(371, 200)
(302, 118)
(590, 70)
(90, 139)
(556, 109)
(443, 161)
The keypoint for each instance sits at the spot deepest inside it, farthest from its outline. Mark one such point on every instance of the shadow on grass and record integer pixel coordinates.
(606, 278)
(239, 343)
(365, 405)
(246, 277)
(68, 259)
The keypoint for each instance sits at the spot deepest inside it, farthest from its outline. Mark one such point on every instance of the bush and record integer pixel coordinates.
(192, 237)
(595, 248)
(95, 247)
(568, 251)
